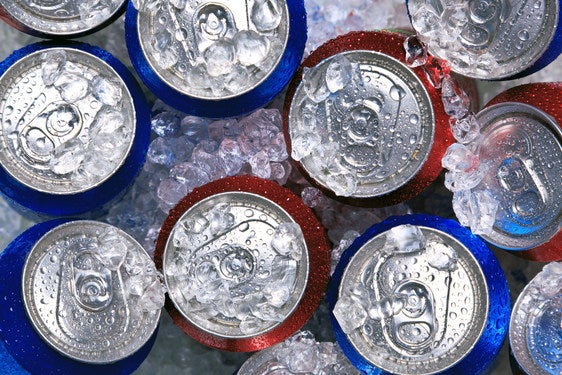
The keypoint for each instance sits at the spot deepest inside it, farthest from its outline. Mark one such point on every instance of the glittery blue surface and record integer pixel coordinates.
(489, 343)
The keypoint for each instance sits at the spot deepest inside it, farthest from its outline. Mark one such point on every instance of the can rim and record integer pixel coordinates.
(318, 253)
(391, 44)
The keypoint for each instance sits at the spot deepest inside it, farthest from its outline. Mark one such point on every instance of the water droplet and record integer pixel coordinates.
(244, 227)
(523, 35)
(53, 259)
(397, 92)
(249, 213)
(413, 139)
(414, 119)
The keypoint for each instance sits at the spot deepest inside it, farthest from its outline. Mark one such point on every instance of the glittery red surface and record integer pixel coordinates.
(548, 98)
(318, 252)
(390, 43)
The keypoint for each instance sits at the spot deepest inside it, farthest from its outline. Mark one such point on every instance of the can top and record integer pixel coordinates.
(361, 124)
(412, 299)
(534, 329)
(88, 291)
(60, 18)
(68, 121)
(520, 149)
(214, 49)
(236, 265)
(486, 39)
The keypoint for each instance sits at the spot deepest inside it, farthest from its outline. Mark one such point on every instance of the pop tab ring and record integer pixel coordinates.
(22, 340)
(230, 224)
(381, 135)
(57, 126)
(59, 18)
(436, 279)
(498, 39)
(548, 98)
(217, 58)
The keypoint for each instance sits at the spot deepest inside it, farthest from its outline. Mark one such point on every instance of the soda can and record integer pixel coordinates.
(362, 125)
(245, 263)
(534, 330)
(499, 39)
(419, 294)
(80, 297)
(216, 58)
(58, 19)
(74, 128)
(519, 152)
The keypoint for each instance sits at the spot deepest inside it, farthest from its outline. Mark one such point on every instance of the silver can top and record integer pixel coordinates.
(520, 149)
(91, 292)
(413, 300)
(486, 38)
(236, 265)
(213, 49)
(361, 124)
(534, 329)
(61, 17)
(67, 121)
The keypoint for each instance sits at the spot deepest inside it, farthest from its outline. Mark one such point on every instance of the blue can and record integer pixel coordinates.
(216, 58)
(75, 128)
(66, 304)
(419, 294)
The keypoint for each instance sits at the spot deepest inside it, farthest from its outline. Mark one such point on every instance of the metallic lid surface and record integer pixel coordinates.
(488, 39)
(245, 261)
(534, 330)
(419, 294)
(86, 291)
(68, 121)
(520, 151)
(236, 264)
(60, 18)
(361, 124)
(214, 49)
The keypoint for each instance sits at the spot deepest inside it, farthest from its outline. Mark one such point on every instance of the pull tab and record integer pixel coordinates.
(58, 123)
(414, 328)
(211, 23)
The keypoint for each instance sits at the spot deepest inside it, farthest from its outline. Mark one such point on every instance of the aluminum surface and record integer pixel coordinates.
(61, 137)
(377, 131)
(214, 49)
(61, 17)
(486, 39)
(442, 294)
(520, 150)
(222, 269)
(534, 331)
(76, 288)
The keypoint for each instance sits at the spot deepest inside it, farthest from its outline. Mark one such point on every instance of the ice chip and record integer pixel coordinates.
(231, 155)
(260, 165)
(304, 144)
(314, 84)
(251, 47)
(346, 240)
(282, 281)
(349, 314)
(465, 130)
(112, 249)
(459, 158)
(476, 210)
(107, 121)
(250, 325)
(266, 15)
(441, 256)
(220, 58)
(404, 239)
(455, 100)
(159, 152)
(338, 74)
(106, 90)
(287, 240)
(67, 158)
(343, 184)
(220, 219)
(416, 52)
(94, 12)
(52, 65)
(170, 191)
(72, 87)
